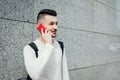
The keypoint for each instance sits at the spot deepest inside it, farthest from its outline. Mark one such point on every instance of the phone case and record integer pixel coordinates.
(40, 27)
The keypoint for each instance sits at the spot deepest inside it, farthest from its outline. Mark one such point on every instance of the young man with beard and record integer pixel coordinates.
(50, 62)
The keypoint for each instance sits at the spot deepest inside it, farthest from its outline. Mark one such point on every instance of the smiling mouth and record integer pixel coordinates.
(53, 34)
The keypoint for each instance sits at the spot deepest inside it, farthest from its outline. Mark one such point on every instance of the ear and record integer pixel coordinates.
(40, 21)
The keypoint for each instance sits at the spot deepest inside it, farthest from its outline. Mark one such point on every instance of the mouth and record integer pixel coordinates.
(54, 34)
(54, 31)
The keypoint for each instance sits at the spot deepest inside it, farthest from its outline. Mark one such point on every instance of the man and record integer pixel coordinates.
(51, 62)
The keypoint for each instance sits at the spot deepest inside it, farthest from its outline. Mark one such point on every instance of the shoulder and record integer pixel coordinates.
(60, 42)
(28, 51)
(27, 47)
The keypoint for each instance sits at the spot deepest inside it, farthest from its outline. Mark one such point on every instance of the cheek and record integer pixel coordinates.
(50, 27)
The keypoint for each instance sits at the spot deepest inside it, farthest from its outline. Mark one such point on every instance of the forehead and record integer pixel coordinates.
(50, 18)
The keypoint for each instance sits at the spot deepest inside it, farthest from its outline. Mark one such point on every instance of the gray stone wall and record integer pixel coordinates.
(90, 30)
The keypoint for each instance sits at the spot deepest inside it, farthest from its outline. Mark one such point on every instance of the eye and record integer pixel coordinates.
(56, 23)
(51, 23)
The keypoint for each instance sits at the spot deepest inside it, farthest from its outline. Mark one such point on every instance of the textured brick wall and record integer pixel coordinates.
(90, 30)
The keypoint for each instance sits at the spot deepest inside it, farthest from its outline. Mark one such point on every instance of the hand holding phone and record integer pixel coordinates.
(46, 34)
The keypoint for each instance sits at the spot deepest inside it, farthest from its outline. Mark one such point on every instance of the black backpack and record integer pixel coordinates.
(33, 45)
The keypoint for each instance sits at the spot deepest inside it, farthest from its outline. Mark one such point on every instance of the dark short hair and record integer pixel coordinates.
(47, 12)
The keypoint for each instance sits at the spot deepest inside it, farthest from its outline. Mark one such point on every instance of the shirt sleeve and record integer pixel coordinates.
(65, 73)
(34, 65)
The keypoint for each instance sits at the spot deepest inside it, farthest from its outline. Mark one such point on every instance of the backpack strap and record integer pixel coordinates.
(61, 46)
(28, 77)
(33, 45)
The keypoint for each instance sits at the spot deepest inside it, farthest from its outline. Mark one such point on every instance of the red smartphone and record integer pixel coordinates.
(40, 27)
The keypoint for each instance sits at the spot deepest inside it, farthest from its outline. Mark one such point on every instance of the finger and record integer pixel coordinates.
(50, 33)
(46, 31)
(42, 31)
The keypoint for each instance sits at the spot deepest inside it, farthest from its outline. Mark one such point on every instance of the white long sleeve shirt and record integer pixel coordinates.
(50, 64)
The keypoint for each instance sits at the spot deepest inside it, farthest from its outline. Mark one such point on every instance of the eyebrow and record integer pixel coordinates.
(54, 22)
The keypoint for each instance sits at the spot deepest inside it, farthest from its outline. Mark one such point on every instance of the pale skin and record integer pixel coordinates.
(50, 22)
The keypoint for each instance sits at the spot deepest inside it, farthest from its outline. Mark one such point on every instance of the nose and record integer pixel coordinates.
(55, 26)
